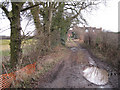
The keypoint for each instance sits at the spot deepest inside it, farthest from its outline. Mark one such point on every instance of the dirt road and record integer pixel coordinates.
(69, 72)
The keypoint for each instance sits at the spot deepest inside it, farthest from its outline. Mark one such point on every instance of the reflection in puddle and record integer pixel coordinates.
(92, 62)
(96, 75)
(74, 49)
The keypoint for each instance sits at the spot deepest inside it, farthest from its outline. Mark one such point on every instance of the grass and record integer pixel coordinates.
(70, 43)
(5, 53)
(46, 65)
(50, 61)
(4, 42)
(5, 47)
(102, 56)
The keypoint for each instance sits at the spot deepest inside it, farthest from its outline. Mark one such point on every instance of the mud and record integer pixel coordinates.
(69, 74)
(113, 72)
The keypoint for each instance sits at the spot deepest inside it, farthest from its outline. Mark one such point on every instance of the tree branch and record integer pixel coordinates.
(82, 8)
(6, 12)
(31, 7)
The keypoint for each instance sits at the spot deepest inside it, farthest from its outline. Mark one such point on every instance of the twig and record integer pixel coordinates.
(5, 69)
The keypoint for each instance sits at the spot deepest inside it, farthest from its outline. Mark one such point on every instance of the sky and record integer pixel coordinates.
(105, 17)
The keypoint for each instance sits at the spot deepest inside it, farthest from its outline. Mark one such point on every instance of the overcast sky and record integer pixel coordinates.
(105, 17)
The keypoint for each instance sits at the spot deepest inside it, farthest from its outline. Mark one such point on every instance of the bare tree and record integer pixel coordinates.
(15, 26)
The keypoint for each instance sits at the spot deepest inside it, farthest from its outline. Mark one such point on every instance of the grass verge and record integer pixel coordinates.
(43, 66)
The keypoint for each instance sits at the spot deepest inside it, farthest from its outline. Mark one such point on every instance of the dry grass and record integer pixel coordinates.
(82, 58)
(4, 44)
(98, 54)
(45, 64)
(4, 47)
(71, 43)
(52, 58)
(105, 46)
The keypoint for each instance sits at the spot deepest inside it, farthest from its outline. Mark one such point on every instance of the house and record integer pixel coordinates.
(83, 31)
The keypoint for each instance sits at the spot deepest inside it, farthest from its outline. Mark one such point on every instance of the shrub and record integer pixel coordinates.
(106, 43)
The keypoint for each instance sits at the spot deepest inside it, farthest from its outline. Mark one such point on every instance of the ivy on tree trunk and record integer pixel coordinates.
(15, 37)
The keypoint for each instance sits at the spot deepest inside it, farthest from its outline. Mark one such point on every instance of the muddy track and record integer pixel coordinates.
(113, 72)
(68, 73)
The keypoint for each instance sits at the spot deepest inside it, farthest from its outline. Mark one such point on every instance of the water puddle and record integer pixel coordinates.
(96, 75)
(91, 61)
(92, 73)
(74, 49)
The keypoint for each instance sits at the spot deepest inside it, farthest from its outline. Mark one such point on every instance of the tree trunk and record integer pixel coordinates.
(41, 44)
(49, 22)
(15, 39)
(35, 12)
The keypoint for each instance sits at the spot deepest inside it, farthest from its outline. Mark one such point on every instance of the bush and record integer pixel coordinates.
(106, 43)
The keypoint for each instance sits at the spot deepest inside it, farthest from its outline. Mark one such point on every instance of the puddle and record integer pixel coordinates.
(91, 61)
(74, 49)
(96, 75)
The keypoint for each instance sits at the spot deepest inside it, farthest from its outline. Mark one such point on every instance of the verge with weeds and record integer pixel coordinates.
(43, 66)
(104, 45)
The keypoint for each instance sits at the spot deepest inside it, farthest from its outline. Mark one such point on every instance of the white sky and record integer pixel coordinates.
(105, 17)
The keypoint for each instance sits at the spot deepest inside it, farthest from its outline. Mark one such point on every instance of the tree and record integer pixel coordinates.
(15, 37)
(62, 18)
